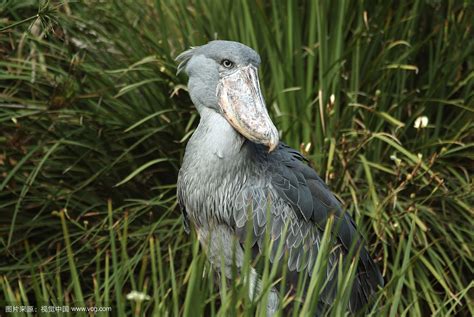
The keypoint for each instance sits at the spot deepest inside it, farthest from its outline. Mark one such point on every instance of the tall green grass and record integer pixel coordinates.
(94, 121)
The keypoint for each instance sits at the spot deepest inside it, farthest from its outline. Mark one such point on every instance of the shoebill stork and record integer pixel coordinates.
(235, 172)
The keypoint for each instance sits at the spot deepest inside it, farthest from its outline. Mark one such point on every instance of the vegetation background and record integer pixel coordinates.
(94, 122)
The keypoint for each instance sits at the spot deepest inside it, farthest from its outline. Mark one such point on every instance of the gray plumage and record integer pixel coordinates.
(224, 175)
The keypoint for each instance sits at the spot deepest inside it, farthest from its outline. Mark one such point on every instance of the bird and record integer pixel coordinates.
(238, 179)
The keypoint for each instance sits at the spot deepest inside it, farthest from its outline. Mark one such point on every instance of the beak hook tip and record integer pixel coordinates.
(272, 146)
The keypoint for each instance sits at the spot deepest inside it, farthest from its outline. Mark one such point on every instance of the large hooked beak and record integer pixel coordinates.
(242, 104)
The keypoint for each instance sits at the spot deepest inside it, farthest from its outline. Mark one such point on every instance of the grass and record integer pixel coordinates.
(94, 121)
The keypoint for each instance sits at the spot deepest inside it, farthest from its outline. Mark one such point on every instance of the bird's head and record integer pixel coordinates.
(223, 76)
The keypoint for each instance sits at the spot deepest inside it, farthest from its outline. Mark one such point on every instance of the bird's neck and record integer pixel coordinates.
(215, 144)
(216, 136)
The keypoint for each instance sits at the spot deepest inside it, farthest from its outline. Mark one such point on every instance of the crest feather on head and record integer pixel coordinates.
(184, 58)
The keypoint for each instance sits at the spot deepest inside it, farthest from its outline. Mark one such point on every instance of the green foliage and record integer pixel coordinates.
(94, 121)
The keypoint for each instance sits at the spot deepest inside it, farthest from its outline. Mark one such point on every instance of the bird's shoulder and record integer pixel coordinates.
(300, 185)
(291, 182)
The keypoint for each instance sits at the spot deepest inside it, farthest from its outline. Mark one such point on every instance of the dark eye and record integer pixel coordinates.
(227, 64)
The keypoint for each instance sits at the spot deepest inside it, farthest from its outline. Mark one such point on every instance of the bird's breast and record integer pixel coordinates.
(210, 185)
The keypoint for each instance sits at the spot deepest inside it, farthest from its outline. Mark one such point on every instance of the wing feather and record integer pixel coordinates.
(302, 202)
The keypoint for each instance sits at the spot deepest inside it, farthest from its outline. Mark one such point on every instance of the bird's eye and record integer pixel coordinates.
(227, 64)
